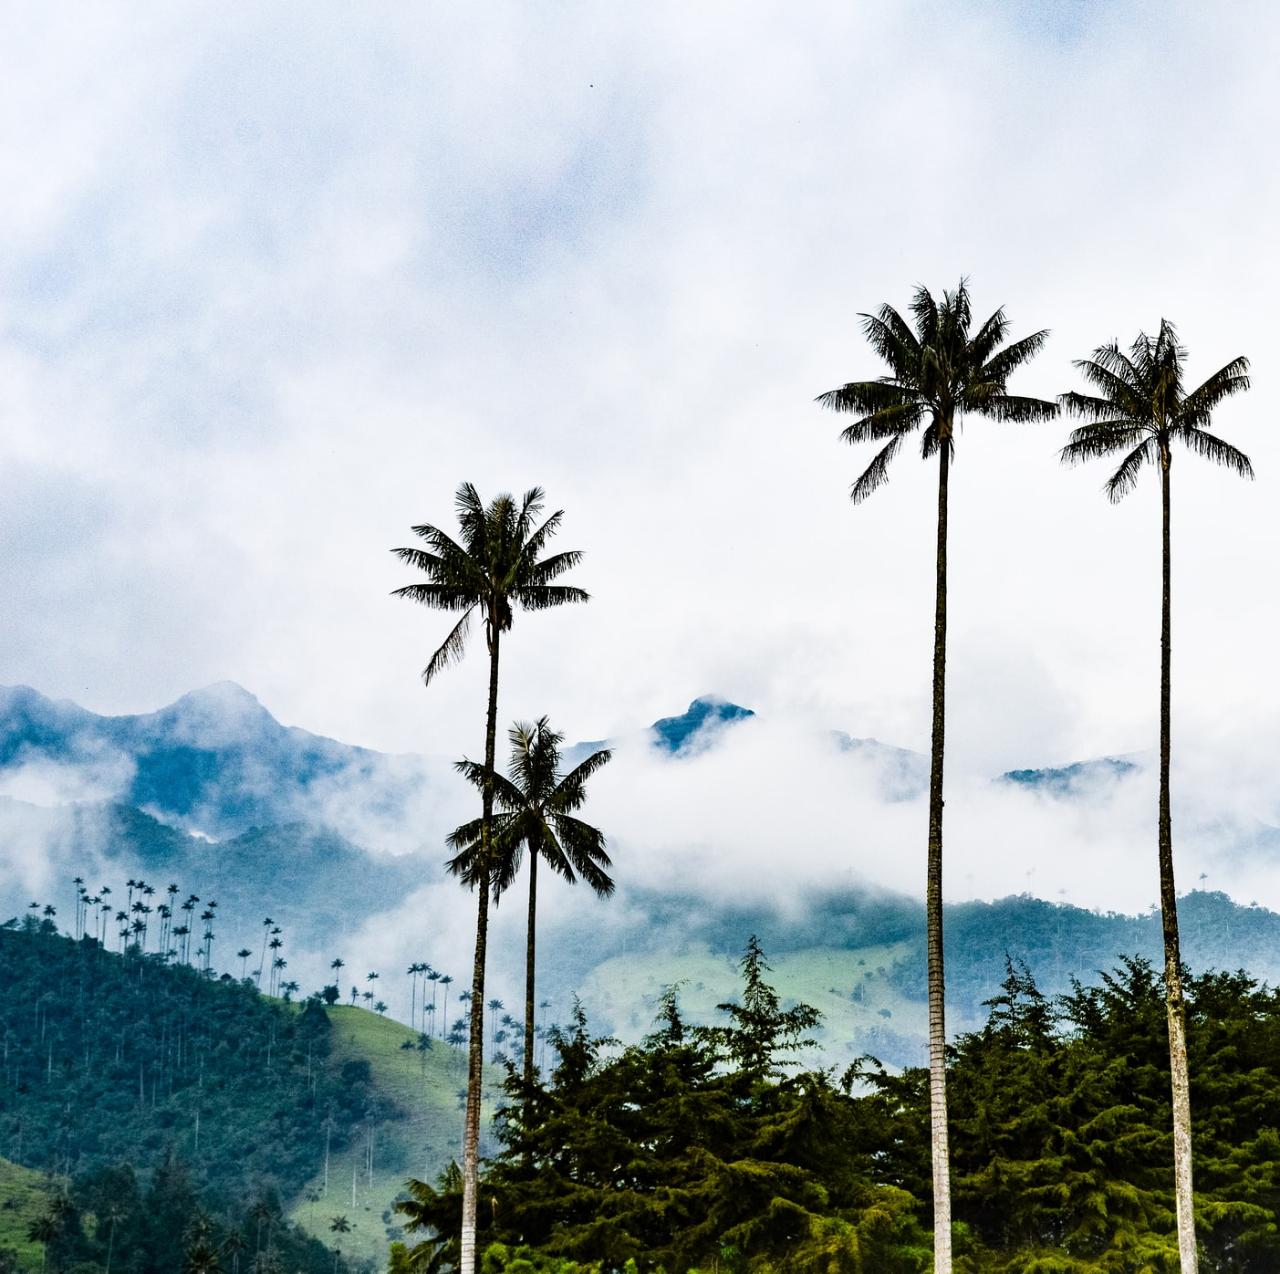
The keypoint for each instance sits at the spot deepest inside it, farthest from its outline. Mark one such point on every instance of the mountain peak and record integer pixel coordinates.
(675, 734)
(221, 694)
(216, 715)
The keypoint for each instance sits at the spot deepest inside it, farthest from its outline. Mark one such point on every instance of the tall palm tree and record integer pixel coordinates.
(938, 373)
(494, 1006)
(537, 812)
(267, 932)
(339, 1226)
(113, 1216)
(1140, 408)
(413, 970)
(43, 1230)
(497, 567)
(446, 981)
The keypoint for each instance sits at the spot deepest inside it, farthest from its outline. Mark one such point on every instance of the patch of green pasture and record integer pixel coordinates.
(24, 1195)
(430, 1090)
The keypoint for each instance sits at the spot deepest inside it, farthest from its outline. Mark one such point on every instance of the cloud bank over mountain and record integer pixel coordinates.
(737, 808)
(721, 821)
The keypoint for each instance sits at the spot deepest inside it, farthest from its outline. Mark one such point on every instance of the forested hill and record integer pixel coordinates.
(113, 1059)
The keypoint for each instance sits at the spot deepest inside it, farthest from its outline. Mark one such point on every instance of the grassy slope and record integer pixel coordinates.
(23, 1195)
(429, 1089)
(862, 1011)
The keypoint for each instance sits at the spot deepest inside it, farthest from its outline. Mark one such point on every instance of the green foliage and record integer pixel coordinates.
(687, 1150)
(498, 1258)
(24, 1195)
(111, 1058)
(697, 1149)
(1061, 1126)
(109, 1220)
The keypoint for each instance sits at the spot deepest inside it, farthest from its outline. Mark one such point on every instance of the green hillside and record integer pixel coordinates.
(428, 1091)
(113, 1059)
(23, 1197)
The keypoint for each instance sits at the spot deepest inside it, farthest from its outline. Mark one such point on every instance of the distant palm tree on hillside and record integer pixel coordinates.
(445, 982)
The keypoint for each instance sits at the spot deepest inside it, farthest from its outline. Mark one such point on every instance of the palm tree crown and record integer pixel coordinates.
(1141, 409)
(536, 806)
(536, 810)
(936, 373)
(498, 565)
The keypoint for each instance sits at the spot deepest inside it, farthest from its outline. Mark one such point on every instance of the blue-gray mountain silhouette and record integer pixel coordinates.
(700, 719)
(215, 761)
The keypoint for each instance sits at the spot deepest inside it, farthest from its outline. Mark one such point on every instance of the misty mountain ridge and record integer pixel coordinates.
(216, 762)
(144, 794)
(301, 872)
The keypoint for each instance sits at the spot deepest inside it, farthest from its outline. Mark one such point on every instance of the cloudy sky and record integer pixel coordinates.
(275, 278)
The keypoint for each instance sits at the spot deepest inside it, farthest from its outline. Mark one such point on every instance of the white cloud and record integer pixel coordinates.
(37, 779)
(275, 281)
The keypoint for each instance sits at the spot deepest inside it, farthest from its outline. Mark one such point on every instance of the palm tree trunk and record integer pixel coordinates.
(933, 903)
(528, 976)
(475, 1058)
(1180, 1081)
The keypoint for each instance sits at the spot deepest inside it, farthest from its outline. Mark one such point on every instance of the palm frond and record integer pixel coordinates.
(470, 863)
(1018, 409)
(471, 517)
(891, 339)
(954, 316)
(988, 338)
(585, 769)
(1003, 364)
(1142, 358)
(544, 596)
(1115, 375)
(924, 309)
(530, 507)
(876, 474)
(509, 843)
(465, 836)
(867, 396)
(451, 649)
(534, 542)
(900, 328)
(1167, 349)
(583, 848)
(1198, 405)
(455, 562)
(1211, 447)
(549, 568)
(884, 424)
(1091, 407)
(1125, 477)
(437, 596)
(1103, 438)
(505, 793)
(467, 503)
